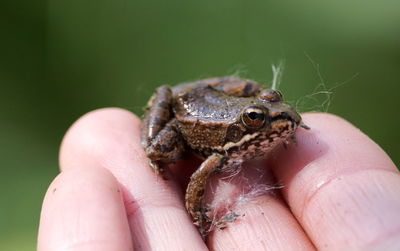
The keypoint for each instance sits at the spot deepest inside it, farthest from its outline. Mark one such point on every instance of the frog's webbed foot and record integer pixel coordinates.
(203, 221)
(166, 147)
(195, 192)
(228, 218)
(202, 216)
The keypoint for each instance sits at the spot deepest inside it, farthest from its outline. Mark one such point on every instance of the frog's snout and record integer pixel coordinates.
(286, 112)
(293, 116)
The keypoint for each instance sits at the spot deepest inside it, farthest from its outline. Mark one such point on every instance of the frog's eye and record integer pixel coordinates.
(253, 117)
(271, 95)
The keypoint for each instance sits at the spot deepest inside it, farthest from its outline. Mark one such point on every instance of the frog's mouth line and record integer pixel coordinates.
(243, 140)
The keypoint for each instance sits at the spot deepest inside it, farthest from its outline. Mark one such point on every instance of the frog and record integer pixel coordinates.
(226, 121)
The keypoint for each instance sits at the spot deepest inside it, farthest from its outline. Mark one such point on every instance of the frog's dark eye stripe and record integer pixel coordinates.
(253, 117)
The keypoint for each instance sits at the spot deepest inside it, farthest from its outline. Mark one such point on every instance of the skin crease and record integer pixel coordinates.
(340, 190)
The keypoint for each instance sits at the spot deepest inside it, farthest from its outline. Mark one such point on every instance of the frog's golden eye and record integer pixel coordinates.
(271, 95)
(253, 117)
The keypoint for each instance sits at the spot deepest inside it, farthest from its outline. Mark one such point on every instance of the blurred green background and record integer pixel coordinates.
(61, 59)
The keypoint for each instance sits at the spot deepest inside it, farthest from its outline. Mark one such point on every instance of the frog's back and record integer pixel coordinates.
(204, 116)
(207, 105)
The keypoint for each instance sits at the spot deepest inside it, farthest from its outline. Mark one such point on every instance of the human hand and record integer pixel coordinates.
(341, 192)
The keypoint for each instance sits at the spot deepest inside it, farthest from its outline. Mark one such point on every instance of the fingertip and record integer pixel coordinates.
(85, 138)
(332, 137)
(323, 116)
(110, 138)
(337, 180)
(83, 209)
(266, 225)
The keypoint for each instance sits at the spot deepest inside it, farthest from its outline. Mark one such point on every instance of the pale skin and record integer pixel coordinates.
(340, 192)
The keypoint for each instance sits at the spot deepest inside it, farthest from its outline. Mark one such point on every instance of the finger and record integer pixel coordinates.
(83, 210)
(264, 222)
(155, 210)
(341, 186)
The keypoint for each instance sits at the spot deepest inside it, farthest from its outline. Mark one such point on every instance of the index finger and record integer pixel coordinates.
(341, 186)
(156, 215)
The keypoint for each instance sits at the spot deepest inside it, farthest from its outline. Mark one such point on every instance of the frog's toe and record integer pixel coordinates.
(203, 223)
(202, 216)
(226, 220)
(155, 166)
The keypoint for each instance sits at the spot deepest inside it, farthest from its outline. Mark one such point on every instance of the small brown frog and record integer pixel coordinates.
(225, 120)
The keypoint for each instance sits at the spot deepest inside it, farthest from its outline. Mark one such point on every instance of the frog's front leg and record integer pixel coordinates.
(196, 188)
(166, 147)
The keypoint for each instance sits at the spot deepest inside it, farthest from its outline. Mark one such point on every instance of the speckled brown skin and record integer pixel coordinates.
(160, 137)
(154, 125)
(229, 85)
(209, 118)
(196, 189)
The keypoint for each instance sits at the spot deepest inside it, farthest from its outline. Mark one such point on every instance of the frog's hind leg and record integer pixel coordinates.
(157, 115)
(158, 133)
